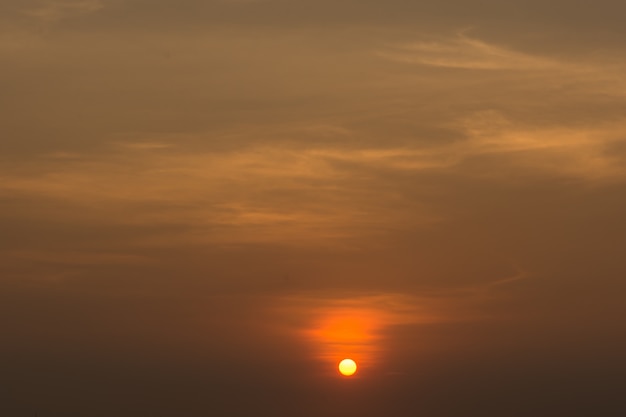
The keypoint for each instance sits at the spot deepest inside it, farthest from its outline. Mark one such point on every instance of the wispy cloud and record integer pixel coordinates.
(559, 147)
(248, 195)
(467, 53)
(310, 194)
(583, 153)
(51, 10)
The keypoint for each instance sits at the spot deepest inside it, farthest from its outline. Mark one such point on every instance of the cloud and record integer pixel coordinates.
(563, 131)
(310, 194)
(52, 10)
(467, 53)
(334, 168)
(581, 153)
(254, 194)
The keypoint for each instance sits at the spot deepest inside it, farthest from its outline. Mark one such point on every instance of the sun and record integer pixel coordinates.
(347, 367)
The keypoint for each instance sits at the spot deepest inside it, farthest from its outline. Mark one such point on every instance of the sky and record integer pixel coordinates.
(206, 204)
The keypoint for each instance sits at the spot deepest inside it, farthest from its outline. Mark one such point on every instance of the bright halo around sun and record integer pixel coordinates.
(347, 367)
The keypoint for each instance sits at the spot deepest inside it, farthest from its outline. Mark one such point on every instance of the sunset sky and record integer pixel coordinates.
(206, 204)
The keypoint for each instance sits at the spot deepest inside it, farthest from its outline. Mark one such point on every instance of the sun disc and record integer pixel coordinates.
(347, 367)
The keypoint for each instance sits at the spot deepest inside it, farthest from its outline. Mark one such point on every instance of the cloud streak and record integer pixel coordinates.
(468, 53)
(53, 10)
(294, 194)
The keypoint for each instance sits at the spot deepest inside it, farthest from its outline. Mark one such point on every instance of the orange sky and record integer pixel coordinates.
(205, 205)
